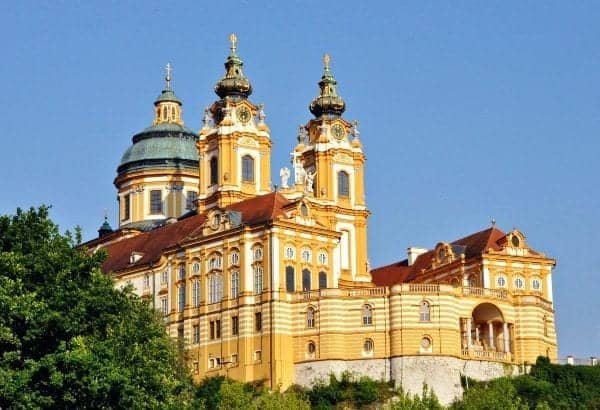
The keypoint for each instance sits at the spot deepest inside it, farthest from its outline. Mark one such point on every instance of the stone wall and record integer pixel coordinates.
(308, 373)
(441, 373)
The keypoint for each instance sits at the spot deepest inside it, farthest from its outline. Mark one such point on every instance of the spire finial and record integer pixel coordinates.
(105, 214)
(233, 41)
(493, 221)
(326, 61)
(168, 75)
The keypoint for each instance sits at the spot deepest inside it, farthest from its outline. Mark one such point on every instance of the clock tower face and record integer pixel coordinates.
(243, 114)
(338, 131)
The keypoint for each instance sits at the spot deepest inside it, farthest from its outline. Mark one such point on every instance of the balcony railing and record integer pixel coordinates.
(487, 355)
(485, 293)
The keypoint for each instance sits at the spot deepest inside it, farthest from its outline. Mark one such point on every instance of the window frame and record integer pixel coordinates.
(424, 311)
(248, 168)
(156, 205)
(343, 184)
(367, 315)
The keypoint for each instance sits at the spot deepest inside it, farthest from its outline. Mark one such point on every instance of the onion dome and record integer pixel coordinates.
(105, 228)
(167, 143)
(328, 102)
(234, 84)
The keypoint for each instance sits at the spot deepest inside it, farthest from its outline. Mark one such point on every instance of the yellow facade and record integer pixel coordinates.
(273, 285)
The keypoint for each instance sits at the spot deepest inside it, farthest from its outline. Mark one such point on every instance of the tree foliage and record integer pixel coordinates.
(68, 338)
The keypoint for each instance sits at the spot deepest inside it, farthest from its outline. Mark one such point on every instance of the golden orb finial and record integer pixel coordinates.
(233, 41)
(326, 61)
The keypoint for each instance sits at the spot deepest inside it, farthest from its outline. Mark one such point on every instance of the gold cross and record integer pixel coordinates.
(233, 40)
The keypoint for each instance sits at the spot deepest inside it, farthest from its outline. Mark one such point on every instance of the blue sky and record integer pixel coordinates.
(467, 111)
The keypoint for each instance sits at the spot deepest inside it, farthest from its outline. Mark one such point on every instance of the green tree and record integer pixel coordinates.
(68, 338)
(498, 394)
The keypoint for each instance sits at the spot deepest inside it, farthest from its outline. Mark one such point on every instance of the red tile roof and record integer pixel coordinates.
(400, 272)
(152, 244)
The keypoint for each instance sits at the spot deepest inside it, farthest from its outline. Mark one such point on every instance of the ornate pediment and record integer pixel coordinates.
(514, 243)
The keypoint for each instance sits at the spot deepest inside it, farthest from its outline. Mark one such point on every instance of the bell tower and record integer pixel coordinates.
(328, 165)
(234, 145)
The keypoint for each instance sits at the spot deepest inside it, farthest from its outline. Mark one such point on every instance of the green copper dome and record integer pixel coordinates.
(166, 145)
(167, 95)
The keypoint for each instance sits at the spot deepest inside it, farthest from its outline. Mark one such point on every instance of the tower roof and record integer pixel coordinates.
(328, 102)
(234, 84)
(167, 143)
(167, 94)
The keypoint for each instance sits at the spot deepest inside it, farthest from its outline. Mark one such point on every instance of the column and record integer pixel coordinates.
(469, 333)
(477, 335)
(491, 334)
(506, 337)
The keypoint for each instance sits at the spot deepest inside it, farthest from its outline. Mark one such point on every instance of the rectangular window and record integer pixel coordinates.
(181, 298)
(164, 305)
(180, 333)
(218, 329)
(258, 355)
(196, 367)
(258, 321)
(258, 280)
(247, 168)
(190, 200)
(235, 325)
(196, 334)
(212, 330)
(289, 279)
(126, 207)
(156, 202)
(322, 280)
(196, 293)
(164, 277)
(234, 358)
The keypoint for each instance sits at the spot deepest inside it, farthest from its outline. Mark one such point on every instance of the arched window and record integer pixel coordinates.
(214, 171)
(290, 252)
(322, 280)
(258, 254)
(311, 348)
(215, 288)
(247, 168)
(368, 347)
(235, 284)
(305, 279)
(424, 311)
(367, 315)
(343, 184)
(322, 258)
(196, 293)
(182, 272)
(290, 279)
(235, 258)
(258, 280)
(310, 317)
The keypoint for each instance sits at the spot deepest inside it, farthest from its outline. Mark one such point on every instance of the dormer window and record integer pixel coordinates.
(135, 257)
(515, 241)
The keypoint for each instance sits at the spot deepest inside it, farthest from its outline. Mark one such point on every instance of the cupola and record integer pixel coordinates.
(234, 84)
(167, 107)
(328, 102)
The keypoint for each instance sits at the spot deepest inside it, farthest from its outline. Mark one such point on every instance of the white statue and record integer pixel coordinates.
(299, 173)
(284, 173)
(310, 179)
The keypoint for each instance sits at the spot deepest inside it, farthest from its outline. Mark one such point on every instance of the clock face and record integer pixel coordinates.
(243, 114)
(338, 131)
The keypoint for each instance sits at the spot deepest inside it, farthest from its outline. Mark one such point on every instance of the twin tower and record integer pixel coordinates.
(170, 170)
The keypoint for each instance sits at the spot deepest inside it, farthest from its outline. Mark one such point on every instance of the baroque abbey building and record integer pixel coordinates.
(275, 284)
